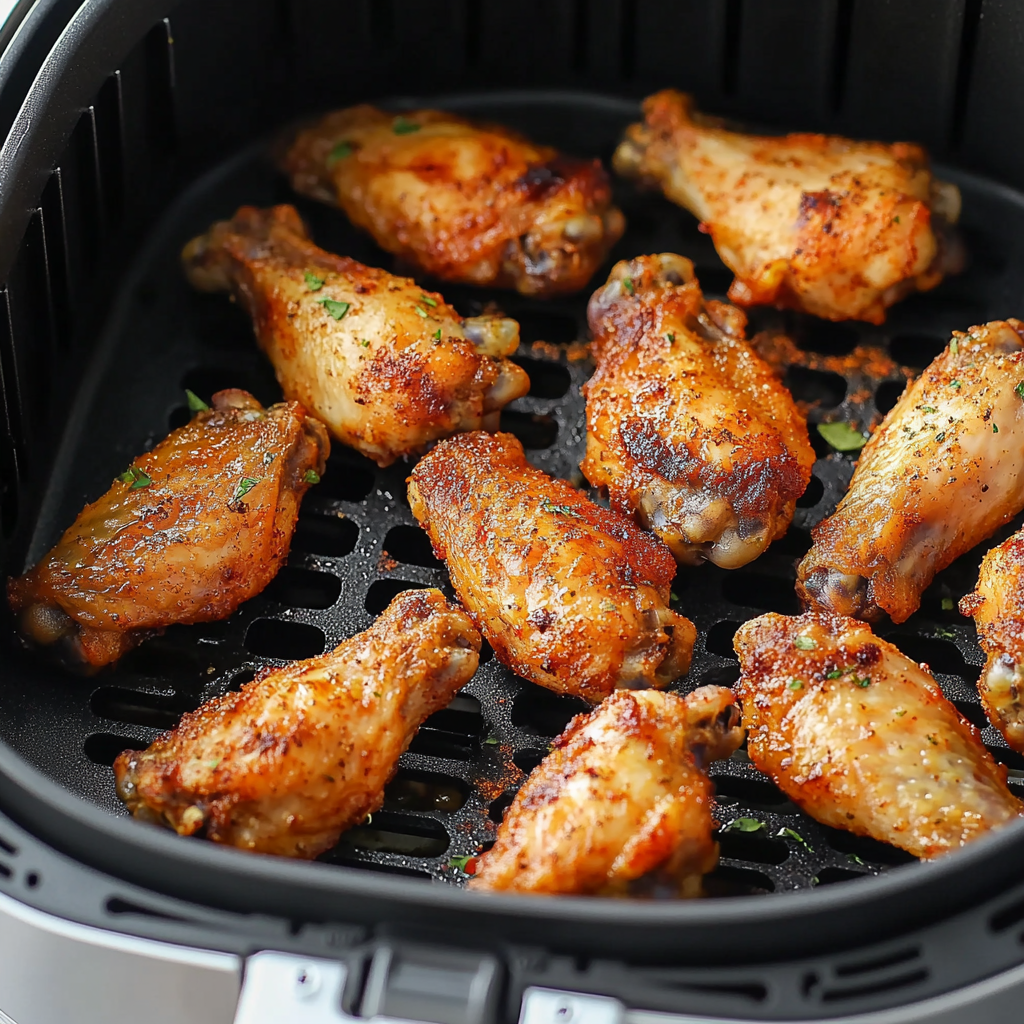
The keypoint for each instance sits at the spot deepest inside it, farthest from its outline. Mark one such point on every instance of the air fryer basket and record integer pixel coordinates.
(145, 125)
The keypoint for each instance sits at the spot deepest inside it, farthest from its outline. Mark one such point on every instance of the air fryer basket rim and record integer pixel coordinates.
(787, 923)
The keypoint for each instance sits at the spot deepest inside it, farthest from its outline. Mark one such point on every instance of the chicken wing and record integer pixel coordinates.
(862, 738)
(997, 606)
(569, 595)
(302, 753)
(687, 427)
(837, 228)
(621, 805)
(464, 202)
(187, 533)
(387, 366)
(943, 471)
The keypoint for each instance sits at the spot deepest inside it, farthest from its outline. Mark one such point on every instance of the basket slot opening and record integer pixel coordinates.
(916, 350)
(753, 793)
(102, 748)
(821, 388)
(411, 545)
(162, 657)
(714, 280)
(750, 846)
(496, 810)
(825, 337)
(719, 638)
(413, 790)
(974, 713)
(899, 956)
(289, 641)
(5, 871)
(206, 381)
(759, 590)
(795, 542)
(331, 536)
(304, 588)
(888, 394)
(547, 379)
(1006, 756)
(539, 325)
(528, 759)
(7, 847)
(721, 675)
(453, 732)
(535, 430)
(814, 493)
(832, 876)
(389, 832)
(239, 679)
(835, 995)
(383, 592)
(138, 707)
(938, 655)
(729, 880)
(865, 848)
(344, 481)
(545, 713)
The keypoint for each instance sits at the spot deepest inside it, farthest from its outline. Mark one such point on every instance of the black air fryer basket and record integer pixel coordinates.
(130, 126)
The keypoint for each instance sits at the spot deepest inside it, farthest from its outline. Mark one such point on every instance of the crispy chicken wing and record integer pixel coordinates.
(997, 606)
(192, 529)
(687, 427)
(386, 365)
(464, 202)
(302, 753)
(837, 228)
(943, 471)
(570, 595)
(862, 738)
(621, 805)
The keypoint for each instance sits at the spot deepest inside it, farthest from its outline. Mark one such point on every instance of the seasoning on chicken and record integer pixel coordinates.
(943, 471)
(387, 366)
(302, 753)
(187, 533)
(621, 805)
(687, 427)
(569, 595)
(837, 228)
(861, 738)
(464, 202)
(997, 606)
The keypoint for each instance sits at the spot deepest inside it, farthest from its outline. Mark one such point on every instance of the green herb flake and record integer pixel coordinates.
(339, 151)
(195, 403)
(563, 510)
(954, 346)
(928, 408)
(834, 674)
(855, 859)
(429, 301)
(608, 606)
(466, 865)
(422, 312)
(311, 476)
(313, 283)
(1020, 390)
(403, 126)
(491, 741)
(671, 338)
(842, 436)
(947, 604)
(788, 833)
(864, 682)
(794, 684)
(946, 634)
(744, 825)
(138, 478)
(245, 485)
(955, 385)
(995, 429)
(900, 712)
(335, 308)
(365, 343)
(673, 596)
(627, 283)
(805, 643)
(437, 334)
(940, 436)
(213, 764)
(931, 739)
(896, 219)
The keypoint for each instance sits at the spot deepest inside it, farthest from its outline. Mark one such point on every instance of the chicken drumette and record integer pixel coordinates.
(387, 366)
(461, 201)
(621, 805)
(568, 594)
(687, 427)
(943, 471)
(187, 533)
(837, 228)
(862, 738)
(302, 753)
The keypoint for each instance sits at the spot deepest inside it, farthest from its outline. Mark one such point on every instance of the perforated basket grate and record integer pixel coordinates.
(357, 544)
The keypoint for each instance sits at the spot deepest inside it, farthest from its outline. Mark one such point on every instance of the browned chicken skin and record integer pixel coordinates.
(464, 202)
(838, 228)
(192, 529)
(861, 738)
(687, 427)
(302, 753)
(997, 606)
(621, 805)
(943, 471)
(387, 366)
(568, 594)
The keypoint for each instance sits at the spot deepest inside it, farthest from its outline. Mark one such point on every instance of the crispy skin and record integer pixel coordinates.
(687, 427)
(997, 606)
(861, 737)
(464, 202)
(186, 548)
(389, 367)
(837, 228)
(302, 753)
(568, 594)
(943, 471)
(621, 804)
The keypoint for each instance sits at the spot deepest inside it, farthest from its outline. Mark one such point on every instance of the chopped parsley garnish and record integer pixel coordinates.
(311, 476)
(855, 859)
(788, 833)
(673, 596)
(940, 436)
(195, 403)
(946, 634)
(547, 505)
(954, 346)
(805, 643)
(896, 219)
(437, 334)
(213, 764)
(245, 485)
(313, 283)
(794, 684)
(138, 478)
(339, 151)
(467, 865)
(955, 384)
(744, 825)
(947, 604)
(927, 408)
(1020, 390)
(365, 343)
(842, 436)
(491, 741)
(429, 301)
(995, 429)
(671, 338)
(864, 682)
(403, 126)
(335, 308)
(627, 283)
(931, 739)
(422, 312)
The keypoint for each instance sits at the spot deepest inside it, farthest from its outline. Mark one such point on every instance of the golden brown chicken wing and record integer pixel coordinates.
(464, 202)
(687, 427)
(187, 533)
(302, 753)
(568, 594)
(387, 366)
(837, 228)
(621, 804)
(997, 606)
(943, 471)
(861, 737)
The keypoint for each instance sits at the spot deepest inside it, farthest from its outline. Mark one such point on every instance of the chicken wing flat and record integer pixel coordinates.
(862, 738)
(621, 805)
(687, 427)
(464, 202)
(569, 595)
(387, 366)
(187, 533)
(837, 228)
(997, 606)
(943, 471)
(302, 753)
